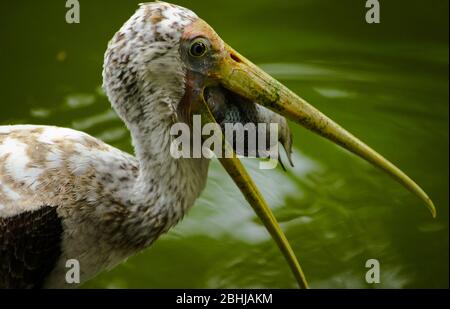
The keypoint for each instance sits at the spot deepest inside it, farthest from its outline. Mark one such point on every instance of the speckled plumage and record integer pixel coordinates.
(111, 204)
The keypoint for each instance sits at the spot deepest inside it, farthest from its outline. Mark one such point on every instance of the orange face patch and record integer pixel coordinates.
(200, 28)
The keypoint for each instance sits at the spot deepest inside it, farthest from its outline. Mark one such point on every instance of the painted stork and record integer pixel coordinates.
(66, 195)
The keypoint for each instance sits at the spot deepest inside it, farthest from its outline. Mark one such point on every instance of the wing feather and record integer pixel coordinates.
(30, 246)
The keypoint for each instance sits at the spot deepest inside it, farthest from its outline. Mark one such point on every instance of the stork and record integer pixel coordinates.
(66, 195)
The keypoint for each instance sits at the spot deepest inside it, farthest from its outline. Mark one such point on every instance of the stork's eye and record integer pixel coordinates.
(198, 48)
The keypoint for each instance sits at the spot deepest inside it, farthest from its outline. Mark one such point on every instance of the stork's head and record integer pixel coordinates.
(167, 64)
(164, 60)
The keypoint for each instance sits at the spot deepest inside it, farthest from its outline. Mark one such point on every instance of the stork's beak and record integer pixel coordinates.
(240, 76)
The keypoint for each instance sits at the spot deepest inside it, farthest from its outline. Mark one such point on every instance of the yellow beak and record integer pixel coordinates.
(240, 76)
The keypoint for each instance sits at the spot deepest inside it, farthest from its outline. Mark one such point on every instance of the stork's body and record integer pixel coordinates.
(109, 204)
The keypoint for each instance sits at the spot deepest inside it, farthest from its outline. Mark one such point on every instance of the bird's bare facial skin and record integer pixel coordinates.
(201, 48)
(202, 52)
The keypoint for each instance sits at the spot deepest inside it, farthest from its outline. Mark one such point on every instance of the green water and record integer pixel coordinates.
(386, 83)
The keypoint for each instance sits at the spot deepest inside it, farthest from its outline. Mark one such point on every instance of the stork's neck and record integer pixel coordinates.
(166, 187)
(162, 178)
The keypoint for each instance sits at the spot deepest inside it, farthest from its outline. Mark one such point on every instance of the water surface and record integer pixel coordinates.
(387, 83)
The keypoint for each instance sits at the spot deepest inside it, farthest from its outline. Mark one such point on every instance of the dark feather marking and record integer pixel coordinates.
(30, 245)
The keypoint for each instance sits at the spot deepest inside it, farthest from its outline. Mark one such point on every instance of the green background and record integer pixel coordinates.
(386, 83)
